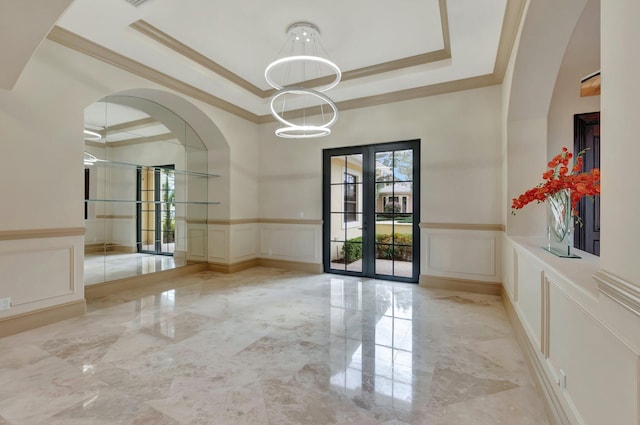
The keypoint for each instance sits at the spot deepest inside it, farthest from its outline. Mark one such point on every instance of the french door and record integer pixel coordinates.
(156, 210)
(371, 210)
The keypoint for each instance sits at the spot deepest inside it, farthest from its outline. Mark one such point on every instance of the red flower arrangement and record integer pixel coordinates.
(558, 178)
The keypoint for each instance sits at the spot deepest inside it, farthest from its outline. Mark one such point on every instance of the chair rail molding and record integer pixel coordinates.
(619, 290)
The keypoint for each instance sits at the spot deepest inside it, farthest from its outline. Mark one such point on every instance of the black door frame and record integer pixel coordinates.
(588, 209)
(368, 201)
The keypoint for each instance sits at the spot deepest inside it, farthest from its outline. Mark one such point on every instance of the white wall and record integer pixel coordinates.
(41, 123)
(460, 156)
(460, 165)
(620, 100)
(531, 78)
(581, 58)
(571, 325)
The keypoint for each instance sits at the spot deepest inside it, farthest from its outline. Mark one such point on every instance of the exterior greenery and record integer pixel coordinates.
(352, 249)
(399, 248)
(169, 225)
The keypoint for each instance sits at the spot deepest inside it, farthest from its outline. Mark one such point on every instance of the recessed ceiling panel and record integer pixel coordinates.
(244, 36)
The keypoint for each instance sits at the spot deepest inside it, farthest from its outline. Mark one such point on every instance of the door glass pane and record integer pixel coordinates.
(337, 257)
(346, 212)
(347, 255)
(384, 197)
(338, 230)
(394, 218)
(403, 165)
(384, 166)
(345, 164)
(403, 264)
(337, 198)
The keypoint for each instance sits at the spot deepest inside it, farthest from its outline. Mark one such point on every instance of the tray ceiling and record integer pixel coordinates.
(217, 50)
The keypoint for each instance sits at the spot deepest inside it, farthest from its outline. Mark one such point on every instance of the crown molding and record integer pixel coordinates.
(182, 49)
(510, 25)
(96, 51)
(166, 40)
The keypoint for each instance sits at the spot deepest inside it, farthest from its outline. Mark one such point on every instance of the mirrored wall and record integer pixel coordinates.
(146, 190)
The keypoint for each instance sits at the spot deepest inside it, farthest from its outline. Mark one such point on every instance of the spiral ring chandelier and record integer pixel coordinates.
(301, 74)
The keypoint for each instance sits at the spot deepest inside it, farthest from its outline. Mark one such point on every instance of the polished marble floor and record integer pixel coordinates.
(100, 268)
(266, 346)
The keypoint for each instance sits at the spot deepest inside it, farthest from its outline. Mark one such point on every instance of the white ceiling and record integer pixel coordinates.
(245, 36)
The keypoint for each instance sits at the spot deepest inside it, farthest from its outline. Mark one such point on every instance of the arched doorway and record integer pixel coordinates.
(147, 193)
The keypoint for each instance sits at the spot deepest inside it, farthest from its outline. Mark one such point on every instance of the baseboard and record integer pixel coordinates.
(235, 267)
(265, 262)
(555, 412)
(37, 318)
(291, 265)
(475, 286)
(140, 281)
(94, 248)
(102, 248)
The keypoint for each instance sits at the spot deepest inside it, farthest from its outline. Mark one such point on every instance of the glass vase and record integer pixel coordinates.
(560, 222)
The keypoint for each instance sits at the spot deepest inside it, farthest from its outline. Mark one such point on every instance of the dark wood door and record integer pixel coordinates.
(587, 136)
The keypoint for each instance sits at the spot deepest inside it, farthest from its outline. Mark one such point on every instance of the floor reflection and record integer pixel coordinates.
(372, 341)
(153, 313)
(268, 346)
(113, 266)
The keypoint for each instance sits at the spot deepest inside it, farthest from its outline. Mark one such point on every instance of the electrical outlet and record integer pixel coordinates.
(563, 380)
(5, 303)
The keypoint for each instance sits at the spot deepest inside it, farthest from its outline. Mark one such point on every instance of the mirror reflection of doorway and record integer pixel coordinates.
(371, 210)
(129, 232)
(156, 210)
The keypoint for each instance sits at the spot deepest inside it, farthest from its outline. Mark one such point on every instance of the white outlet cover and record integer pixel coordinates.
(5, 303)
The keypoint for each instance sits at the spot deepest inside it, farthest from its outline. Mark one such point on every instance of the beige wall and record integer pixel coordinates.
(576, 314)
(460, 177)
(581, 58)
(41, 122)
(621, 174)
(460, 156)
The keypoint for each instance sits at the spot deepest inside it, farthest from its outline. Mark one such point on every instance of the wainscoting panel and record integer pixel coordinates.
(243, 242)
(530, 294)
(41, 272)
(181, 234)
(123, 231)
(509, 271)
(588, 371)
(95, 231)
(46, 273)
(462, 254)
(600, 384)
(291, 242)
(218, 243)
(196, 242)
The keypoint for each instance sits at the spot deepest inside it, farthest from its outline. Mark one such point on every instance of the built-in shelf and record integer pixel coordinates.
(105, 163)
(151, 202)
